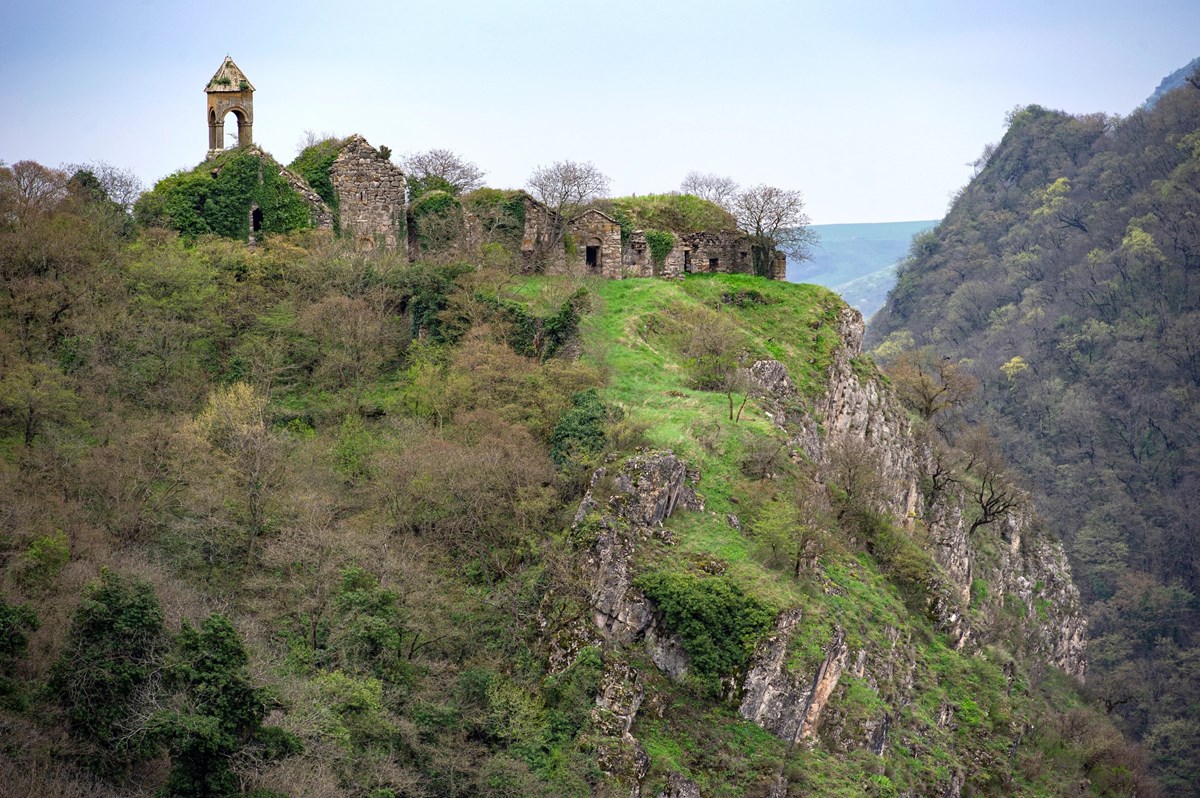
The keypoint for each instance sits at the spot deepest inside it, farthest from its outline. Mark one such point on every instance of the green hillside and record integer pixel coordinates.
(1064, 278)
(295, 520)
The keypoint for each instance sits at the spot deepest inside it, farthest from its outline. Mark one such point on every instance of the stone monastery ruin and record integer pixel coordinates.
(369, 204)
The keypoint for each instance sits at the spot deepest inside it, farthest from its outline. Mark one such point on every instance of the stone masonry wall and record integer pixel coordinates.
(593, 228)
(371, 195)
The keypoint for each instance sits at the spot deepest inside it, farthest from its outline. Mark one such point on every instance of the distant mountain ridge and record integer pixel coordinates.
(1172, 82)
(858, 260)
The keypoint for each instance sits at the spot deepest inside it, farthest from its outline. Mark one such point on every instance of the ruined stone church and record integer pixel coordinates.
(371, 208)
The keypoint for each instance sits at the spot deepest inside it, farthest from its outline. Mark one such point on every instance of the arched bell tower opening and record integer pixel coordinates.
(229, 92)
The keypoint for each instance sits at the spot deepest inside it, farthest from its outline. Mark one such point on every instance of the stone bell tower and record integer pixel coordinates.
(229, 92)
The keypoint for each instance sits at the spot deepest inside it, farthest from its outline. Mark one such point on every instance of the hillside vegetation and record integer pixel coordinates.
(1066, 279)
(295, 520)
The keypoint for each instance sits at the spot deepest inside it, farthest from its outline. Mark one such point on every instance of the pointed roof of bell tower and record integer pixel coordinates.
(229, 77)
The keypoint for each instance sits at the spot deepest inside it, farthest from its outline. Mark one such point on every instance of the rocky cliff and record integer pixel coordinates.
(1021, 581)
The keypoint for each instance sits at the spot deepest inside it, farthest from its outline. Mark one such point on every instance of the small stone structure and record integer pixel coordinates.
(229, 92)
(596, 237)
(592, 245)
(371, 196)
(319, 214)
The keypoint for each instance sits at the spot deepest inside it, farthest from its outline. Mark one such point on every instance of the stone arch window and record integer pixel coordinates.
(592, 257)
(256, 218)
(243, 128)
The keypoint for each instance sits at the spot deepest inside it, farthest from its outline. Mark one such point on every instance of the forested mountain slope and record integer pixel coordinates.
(295, 520)
(1066, 278)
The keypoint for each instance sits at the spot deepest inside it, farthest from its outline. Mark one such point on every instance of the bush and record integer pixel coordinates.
(717, 622)
(313, 165)
(661, 243)
(580, 431)
(220, 713)
(16, 622)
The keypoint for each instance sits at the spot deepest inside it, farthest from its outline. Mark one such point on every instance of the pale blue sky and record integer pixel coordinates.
(872, 109)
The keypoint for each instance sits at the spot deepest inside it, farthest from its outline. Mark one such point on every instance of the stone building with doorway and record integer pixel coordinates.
(593, 243)
(367, 202)
(357, 192)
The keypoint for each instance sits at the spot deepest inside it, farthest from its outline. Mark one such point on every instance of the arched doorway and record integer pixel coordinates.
(238, 134)
(592, 257)
(256, 220)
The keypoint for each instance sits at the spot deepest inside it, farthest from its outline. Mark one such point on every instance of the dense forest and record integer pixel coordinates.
(292, 519)
(1065, 279)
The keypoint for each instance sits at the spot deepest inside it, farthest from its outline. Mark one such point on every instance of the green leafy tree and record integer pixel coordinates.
(16, 622)
(218, 713)
(34, 396)
(103, 680)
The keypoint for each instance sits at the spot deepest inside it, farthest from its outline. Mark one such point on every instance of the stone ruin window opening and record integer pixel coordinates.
(592, 256)
(256, 219)
(714, 264)
(687, 261)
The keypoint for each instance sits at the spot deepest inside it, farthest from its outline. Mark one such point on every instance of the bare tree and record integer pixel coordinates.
(28, 189)
(775, 219)
(310, 137)
(441, 169)
(993, 490)
(565, 188)
(929, 384)
(120, 185)
(712, 187)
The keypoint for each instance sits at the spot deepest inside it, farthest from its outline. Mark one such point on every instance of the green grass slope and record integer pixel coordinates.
(633, 336)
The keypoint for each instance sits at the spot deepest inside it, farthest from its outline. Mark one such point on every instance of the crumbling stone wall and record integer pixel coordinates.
(371, 196)
(726, 251)
(597, 244)
(637, 258)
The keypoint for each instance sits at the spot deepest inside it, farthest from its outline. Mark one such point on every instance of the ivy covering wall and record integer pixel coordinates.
(313, 164)
(216, 197)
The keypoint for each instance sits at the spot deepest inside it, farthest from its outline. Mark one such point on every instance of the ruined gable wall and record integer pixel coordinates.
(371, 195)
(319, 212)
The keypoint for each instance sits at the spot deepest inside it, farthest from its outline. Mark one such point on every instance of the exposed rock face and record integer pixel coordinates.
(853, 408)
(680, 787)
(617, 704)
(626, 507)
(1030, 567)
(1034, 570)
(787, 704)
(621, 509)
